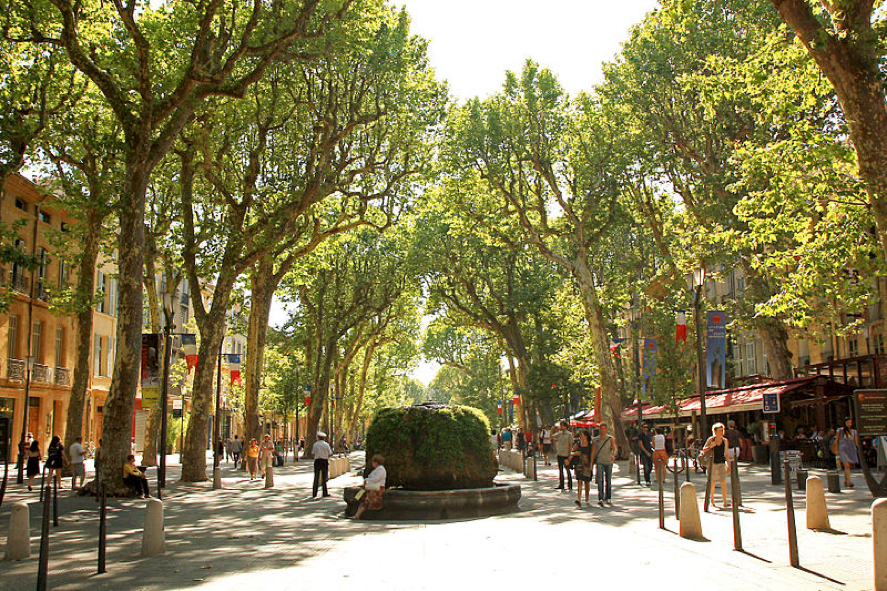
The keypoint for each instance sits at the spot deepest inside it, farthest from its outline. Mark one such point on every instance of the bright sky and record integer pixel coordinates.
(472, 43)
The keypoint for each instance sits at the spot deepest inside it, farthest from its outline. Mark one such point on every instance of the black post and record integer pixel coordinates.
(217, 426)
(5, 479)
(43, 568)
(164, 396)
(661, 479)
(103, 528)
(734, 492)
(687, 466)
(55, 501)
(20, 478)
(790, 515)
(677, 490)
(700, 361)
(637, 461)
(535, 473)
(775, 471)
(708, 486)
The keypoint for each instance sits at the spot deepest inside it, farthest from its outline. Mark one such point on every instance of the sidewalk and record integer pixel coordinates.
(247, 536)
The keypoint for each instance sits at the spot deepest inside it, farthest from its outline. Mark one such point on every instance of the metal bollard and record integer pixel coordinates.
(103, 528)
(43, 568)
(834, 481)
(802, 479)
(790, 516)
(661, 501)
(708, 487)
(737, 501)
(55, 502)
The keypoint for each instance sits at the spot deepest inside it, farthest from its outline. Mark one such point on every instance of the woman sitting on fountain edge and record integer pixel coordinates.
(375, 486)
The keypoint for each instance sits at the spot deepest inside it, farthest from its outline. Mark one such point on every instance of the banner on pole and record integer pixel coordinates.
(716, 349)
(150, 370)
(651, 358)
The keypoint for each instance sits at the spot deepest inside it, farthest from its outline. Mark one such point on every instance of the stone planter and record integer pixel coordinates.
(441, 504)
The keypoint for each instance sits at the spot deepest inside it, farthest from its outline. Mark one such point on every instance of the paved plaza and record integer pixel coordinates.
(245, 536)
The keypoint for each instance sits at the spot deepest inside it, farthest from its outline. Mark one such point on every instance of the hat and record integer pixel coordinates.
(321, 434)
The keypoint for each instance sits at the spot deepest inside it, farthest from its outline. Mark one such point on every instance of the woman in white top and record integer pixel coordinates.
(375, 486)
(660, 455)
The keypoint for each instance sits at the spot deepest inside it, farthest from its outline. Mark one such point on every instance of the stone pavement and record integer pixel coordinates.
(246, 536)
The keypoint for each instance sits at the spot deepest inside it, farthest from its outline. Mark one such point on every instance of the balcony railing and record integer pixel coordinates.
(41, 373)
(15, 370)
(18, 282)
(62, 376)
(41, 292)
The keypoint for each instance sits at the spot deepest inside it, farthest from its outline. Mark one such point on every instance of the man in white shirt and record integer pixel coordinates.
(322, 452)
(77, 466)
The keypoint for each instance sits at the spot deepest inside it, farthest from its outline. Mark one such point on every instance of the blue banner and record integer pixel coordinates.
(716, 350)
(651, 358)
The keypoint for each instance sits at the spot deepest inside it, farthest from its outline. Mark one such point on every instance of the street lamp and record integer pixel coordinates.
(699, 282)
(164, 387)
(29, 365)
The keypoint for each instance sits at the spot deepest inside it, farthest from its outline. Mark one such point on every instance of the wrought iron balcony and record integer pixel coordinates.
(41, 373)
(41, 292)
(62, 376)
(15, 370)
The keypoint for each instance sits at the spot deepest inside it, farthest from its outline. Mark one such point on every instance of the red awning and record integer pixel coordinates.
(723, 401)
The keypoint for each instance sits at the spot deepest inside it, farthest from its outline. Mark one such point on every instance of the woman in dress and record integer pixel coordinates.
(252, 459)
(33, 463)
(55, 459)
(374, 486)
(581, 459)
(848, 443)
(718, 445)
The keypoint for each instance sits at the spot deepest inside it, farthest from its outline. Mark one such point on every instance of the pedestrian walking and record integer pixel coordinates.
(645, 446)
(236, 448)
(848, 445)
(252, 458)
(322, 452)
(545, 437)
(735, 438)
(604, 454)
(78, 468)
(55, 459)
(716, 447)
(581, 461)
(267, 457)
(660, 454)
(564, 446)
(506, 439)
(229, 449)
(34, 456)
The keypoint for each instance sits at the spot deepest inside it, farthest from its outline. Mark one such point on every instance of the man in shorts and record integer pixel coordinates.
(77, 465)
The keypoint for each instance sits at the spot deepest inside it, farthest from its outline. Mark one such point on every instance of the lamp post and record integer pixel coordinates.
(699, 281)
(164, 388)
(29, 364)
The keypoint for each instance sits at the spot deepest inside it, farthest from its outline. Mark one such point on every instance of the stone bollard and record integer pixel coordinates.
(18, 542)
(217, 478)
(269, 477)
(691, 526)
(879, 543)
(817, 511)
(834, 481)
(153, 536)
(347, 464)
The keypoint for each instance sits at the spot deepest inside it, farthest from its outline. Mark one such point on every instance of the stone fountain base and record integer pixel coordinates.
(440, 504)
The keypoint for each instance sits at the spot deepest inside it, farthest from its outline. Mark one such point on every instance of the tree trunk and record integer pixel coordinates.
(152, 425)
(263, 283)
(601, 345)
(119, 406)
(212, 331)
(83, 338)
(853, 66)
(775, 338)
(361, 388)
(319, 397)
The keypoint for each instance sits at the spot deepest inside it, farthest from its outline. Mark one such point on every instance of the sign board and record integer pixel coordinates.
(150, 370)
(871, 412)
(177, 409)
(794, 459)
(771, 402)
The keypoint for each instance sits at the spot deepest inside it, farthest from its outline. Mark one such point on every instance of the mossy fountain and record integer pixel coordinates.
(439, 464)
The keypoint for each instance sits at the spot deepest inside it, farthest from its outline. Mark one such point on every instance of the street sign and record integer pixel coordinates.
(177, 409)
(871, 412)
(771, 402)
(794, 459)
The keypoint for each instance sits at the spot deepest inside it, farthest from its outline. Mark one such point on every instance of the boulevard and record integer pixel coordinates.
(245, 536)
